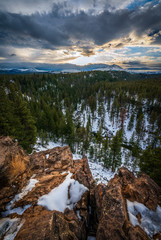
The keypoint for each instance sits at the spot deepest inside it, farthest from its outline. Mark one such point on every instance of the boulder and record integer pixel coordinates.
(113, 218)
(49, 169)
(14, 169)
(101, 211)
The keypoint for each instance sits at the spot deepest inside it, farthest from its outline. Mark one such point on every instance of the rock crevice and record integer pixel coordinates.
(101, 212)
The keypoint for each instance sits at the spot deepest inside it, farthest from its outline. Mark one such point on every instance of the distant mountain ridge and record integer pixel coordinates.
(54, 68)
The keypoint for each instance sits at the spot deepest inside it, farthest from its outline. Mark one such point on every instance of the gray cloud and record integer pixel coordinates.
(141, 65)
(156, 36)
(30, 6)
(40, 27)
(87, 51)
(12, 55)
(157, 39)
(63, 27)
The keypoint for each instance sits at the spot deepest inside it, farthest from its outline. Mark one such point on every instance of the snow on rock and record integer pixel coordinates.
(100, 173)
(18, 210)
(150, 221)
(31, 184)
(11, 235)
(78, 215)
(91, 238)
(58, 200)
(10, 227)
(5, 224)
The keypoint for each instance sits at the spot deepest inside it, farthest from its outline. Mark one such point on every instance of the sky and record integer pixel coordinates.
(123, 32)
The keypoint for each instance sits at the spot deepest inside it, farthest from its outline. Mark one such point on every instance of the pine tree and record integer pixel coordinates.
(115, 152)
(6, 112)
(16, 119)
(140, 127)
(26, 130)
(150, 163)
(131, 122)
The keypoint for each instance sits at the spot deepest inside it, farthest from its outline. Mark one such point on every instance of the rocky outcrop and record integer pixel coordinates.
(14, 169)
(113, 221)
(10, 155)
(59, 158)
(101, 211)
(49, 168)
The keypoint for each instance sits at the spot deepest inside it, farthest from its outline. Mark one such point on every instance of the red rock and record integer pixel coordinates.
(101, 210)
(114, 222)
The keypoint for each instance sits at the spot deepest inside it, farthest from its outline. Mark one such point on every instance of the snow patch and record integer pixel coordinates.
(10, 227)
(100, 173)
(78, 215)
(58, 199)
(12, 235)
(91, 238)
(38, 146)
(31, 184)
(150, 221)
(63, 172)
(18, 210)
(77, 156)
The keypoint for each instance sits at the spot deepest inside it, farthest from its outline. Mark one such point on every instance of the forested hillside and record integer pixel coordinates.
(112, 117)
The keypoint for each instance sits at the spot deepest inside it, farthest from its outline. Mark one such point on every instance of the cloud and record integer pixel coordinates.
(156, 36)
(7, 52)
(76, 29)
(141, 65)
(62, 27)
(157, 40)
(119, 45)
(12, 55)
(38, 27)
(41, 6)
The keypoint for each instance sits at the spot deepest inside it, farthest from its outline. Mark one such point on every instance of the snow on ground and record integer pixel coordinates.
(129, 161)
(58, 200)
(150, 221)
(77, 156)
(111, 125)
(10, 227)
(100, 173)
(38, 146)
(31, 184)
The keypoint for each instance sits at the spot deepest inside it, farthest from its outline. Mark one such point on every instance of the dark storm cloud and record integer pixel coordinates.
(157, 39)
(12, 55)
(119, 45)
(87, 51)
(62, 27)
(156, 35)
(141, 65)
(31, 6)
(39, 27)
(5, 52)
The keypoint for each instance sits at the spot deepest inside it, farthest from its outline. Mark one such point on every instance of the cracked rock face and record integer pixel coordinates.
(101, 211)
(47, 170)
(113, 221)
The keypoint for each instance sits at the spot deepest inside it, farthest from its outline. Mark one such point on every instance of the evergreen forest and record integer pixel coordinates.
(112, 117)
